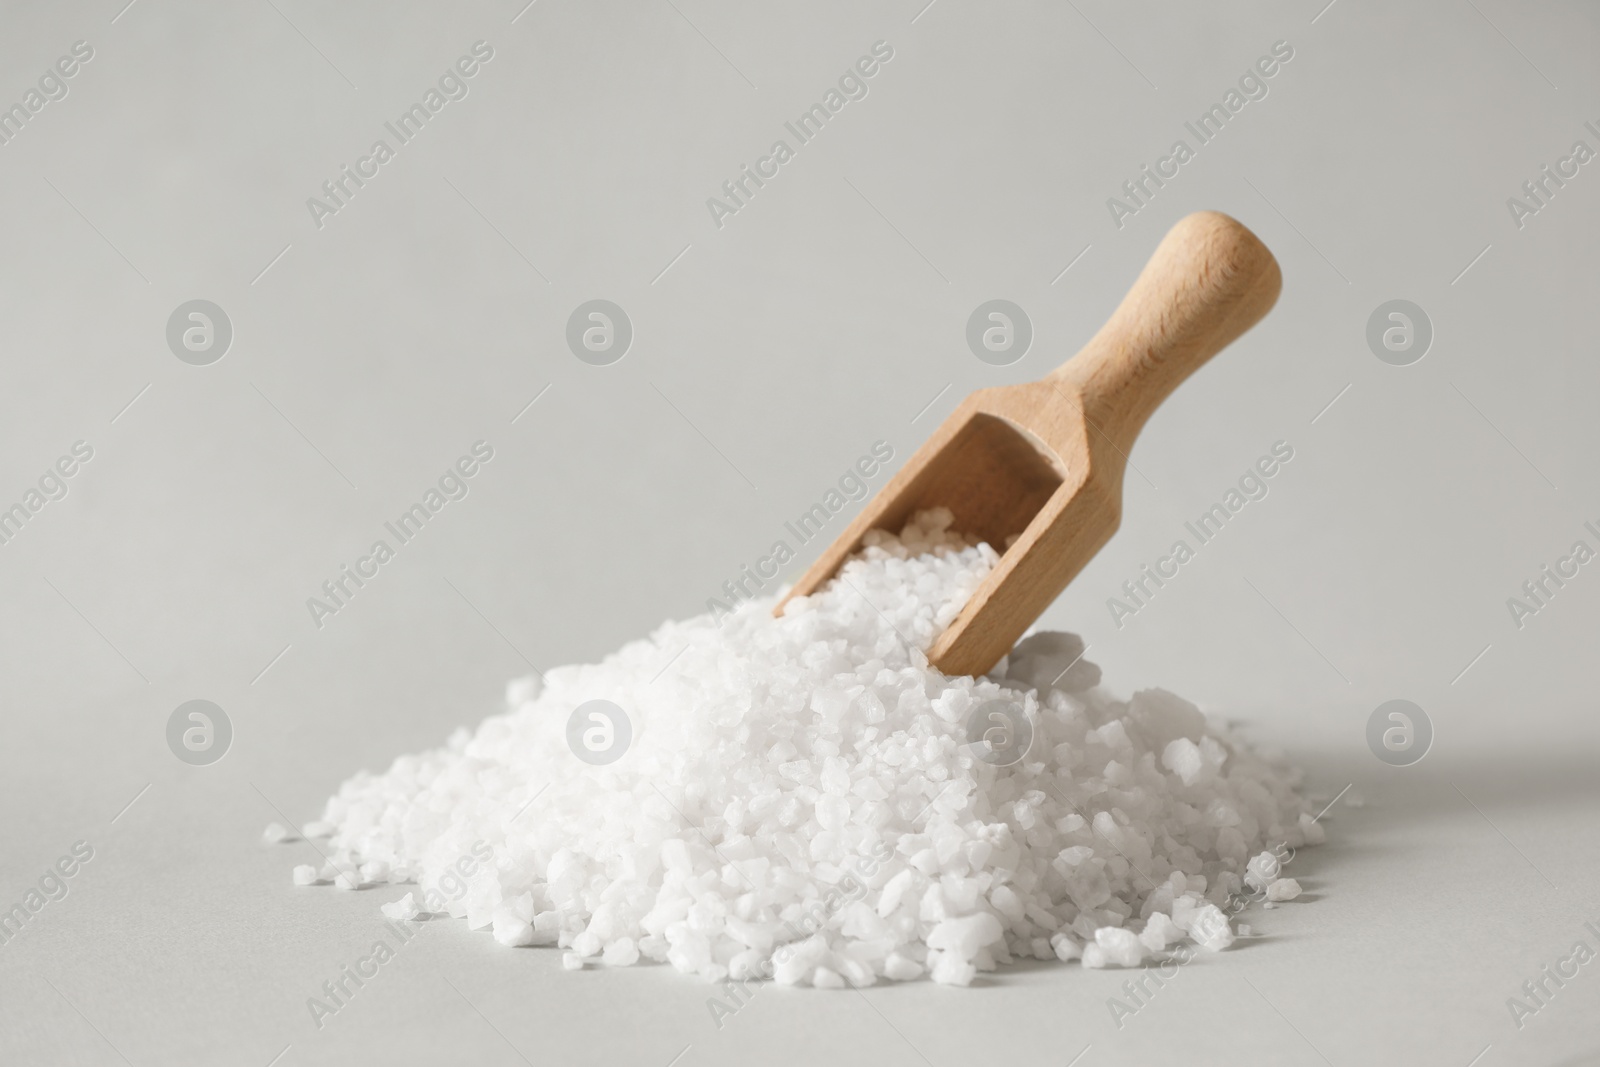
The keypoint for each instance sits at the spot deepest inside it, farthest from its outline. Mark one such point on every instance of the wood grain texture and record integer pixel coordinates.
(1045, 460)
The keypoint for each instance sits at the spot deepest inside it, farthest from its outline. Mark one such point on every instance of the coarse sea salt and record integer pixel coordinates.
(800, 800)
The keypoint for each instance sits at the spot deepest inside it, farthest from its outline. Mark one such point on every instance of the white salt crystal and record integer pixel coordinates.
(512, 931)
(1261, 870)
(1210, 928)
(1159, 932)
(521, 906)
(546, 927)
(482, 900)
(836, 776)
(804, 804)
(1113, 946)
(1050, 659)
(898, 968)
(799, 959)
(305, 874)
(1065, 948)
(1231, 845)
(1164, 717)
(857, 973)
(1182, 757)
(343, 876)
(963, 937)
(276, 834)
(1007, 903)
(832, 812)
(950, 970)
(824, 978)
(402, 909)
(869, 789)
(1283, 889)
(621, 953)
(1039, 917)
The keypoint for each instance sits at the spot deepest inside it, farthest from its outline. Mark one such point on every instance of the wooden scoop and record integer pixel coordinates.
(1045, 460)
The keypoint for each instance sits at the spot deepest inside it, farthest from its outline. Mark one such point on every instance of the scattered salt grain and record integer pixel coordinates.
(1283, 889)
(512, 931)
(276, 834)
(799, 800)
(305, 874)
(342, 876)
(401, 910)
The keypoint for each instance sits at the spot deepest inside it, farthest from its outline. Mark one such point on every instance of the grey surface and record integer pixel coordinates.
(823, 317)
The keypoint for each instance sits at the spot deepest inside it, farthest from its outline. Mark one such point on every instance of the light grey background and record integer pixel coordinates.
(769, 354)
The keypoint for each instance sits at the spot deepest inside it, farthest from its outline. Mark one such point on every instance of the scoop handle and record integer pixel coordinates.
(1209, 280)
